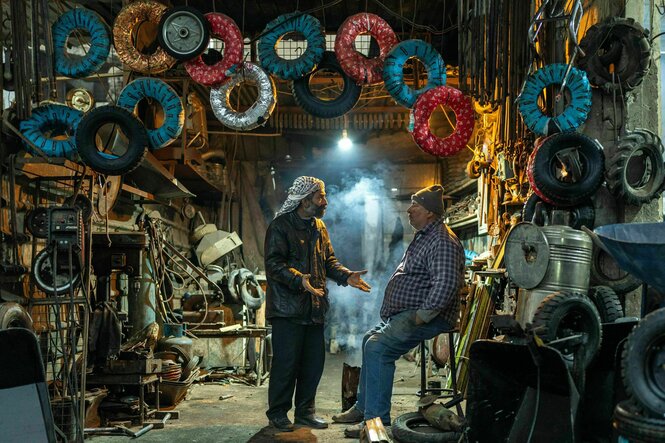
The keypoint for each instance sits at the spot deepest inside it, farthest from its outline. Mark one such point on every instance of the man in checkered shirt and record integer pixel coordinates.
(421, 301)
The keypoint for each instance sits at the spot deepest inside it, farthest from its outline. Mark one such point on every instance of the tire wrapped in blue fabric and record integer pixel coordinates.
(575, 113)
(48, 122)
(310, 28)
(100, 43)
(168, 99)
(393, 70)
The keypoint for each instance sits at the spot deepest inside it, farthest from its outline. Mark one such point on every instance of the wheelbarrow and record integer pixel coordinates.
(639, 248)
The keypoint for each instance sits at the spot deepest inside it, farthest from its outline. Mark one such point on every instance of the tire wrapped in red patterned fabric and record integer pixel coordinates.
(529, 171)
(224, 28)
(422, 111)
(365, 71)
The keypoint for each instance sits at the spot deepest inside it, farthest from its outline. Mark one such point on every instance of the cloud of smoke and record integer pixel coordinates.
(366, 232)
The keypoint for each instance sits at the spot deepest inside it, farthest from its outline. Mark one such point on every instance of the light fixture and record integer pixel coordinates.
(345, 142)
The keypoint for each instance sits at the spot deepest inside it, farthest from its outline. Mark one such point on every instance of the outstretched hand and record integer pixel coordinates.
(309, 288)
(357, 282)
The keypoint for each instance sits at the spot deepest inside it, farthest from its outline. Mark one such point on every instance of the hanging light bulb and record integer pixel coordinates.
(345, 142)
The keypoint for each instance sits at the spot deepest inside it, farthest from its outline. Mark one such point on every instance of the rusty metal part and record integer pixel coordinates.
(124, 28)
(81, 99)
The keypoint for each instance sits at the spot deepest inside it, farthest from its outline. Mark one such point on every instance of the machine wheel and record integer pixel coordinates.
(643, 364)
(412, 427)
(566, 313)
(607, 302)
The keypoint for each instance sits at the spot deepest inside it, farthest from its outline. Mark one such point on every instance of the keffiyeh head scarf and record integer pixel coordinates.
(301, 188)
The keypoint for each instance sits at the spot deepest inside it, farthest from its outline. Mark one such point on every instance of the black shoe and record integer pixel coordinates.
(312, 421)
(354, 431)
(282, 423)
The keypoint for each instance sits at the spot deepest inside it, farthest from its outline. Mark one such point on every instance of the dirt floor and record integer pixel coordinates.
(241, 418)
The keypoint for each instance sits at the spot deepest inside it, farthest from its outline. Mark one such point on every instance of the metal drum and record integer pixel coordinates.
(570, 259)
(568, 268)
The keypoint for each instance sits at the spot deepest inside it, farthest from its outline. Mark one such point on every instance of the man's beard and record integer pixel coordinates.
(320, 210)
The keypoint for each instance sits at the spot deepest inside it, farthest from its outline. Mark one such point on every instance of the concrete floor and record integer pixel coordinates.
(205, 418)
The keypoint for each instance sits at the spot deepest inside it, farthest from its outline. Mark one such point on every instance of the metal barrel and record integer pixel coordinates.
(570, 260)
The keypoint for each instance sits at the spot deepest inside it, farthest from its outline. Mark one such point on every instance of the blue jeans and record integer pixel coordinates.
(382, 346)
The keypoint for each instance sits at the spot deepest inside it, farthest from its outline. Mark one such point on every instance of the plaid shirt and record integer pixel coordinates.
(429, 275)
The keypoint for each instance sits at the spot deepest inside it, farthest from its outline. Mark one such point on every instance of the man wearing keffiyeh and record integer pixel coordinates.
(299, 258)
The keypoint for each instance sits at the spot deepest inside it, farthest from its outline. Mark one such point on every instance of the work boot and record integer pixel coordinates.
(354, 431)
(282, 424)
(352, 415)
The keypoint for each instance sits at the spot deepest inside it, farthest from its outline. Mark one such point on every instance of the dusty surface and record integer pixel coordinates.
(241, 418)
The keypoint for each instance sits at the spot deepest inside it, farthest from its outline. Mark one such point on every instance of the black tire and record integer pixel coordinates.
(204, 26)
(621, 42)
(110, 164)
(545, 166)
(12, 315)
(326, 108)
(634, 181)
(606, 272)
(581, 215)
(36, 222)
(566, 313)
(643, 364)
(607, 303)
(413, 428)
(630, 424)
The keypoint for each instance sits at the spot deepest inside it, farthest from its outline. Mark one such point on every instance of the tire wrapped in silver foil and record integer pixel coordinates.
(258, 113)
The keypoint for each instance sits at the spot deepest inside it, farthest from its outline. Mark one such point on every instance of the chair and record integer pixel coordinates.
(453, 394)
(25, 410)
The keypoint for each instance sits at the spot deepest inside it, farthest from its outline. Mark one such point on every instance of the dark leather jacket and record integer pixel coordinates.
(293, 247)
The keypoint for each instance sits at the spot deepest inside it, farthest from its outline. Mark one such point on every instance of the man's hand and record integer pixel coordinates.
(417, 320)
(357, 282)
(309, 288)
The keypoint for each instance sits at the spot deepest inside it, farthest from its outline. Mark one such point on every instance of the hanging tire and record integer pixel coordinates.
(296, 22)
(422, 111)
(606, 272)
(12, 315)
(183, 32)
(636, 171)
(607, 303)
(567, 313)
(393, 70)
(620, 46)
(582, 179)
(111, 163)
(317, 107)
(52, 121)
(412, 427)
(581, 215)
(643, 364)
(57, 283)
(365, 71)
(257, 114)
(125, 27)
(224, 28)
(631, 425)
(572, 116)
(100, 43)
(166, 97)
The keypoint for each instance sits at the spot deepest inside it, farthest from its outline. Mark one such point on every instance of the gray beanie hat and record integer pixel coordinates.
(430, 198)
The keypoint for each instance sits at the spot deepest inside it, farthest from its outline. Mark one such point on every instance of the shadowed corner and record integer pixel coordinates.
(269, 434)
